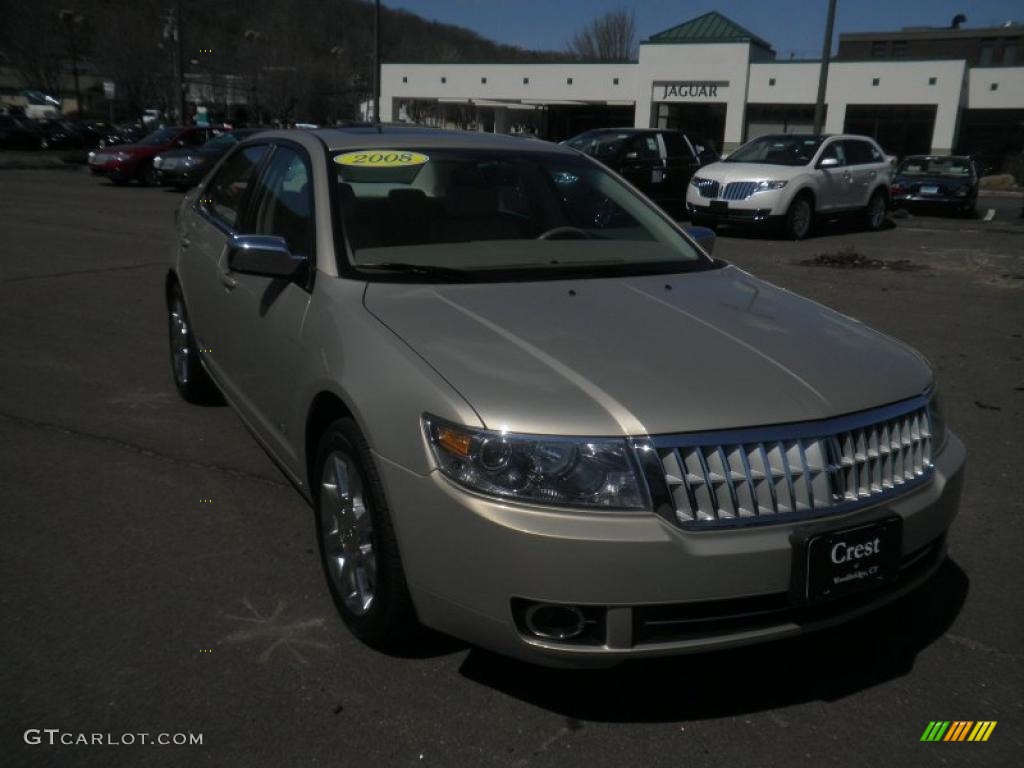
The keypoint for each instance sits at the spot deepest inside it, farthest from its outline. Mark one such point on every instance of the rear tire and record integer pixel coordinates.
(875, 213)
(800, 218)
(358, 546)
(191, 379)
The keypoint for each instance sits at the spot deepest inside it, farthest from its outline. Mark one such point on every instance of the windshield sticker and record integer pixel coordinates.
(381, 158)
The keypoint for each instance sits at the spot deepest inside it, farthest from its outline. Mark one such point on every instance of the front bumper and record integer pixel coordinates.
(758, 208)
(657, 589)
(113, 169)
(932, 201)
(179, 176)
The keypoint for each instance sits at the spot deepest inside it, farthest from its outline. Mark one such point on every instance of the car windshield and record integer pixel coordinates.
(599, 143)
(777, 150)
(161, 136)
(954, 167)
(469, 212)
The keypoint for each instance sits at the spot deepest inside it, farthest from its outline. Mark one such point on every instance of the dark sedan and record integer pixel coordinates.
(657, 161)
(19, 133)
(936, 182)
(182, 168)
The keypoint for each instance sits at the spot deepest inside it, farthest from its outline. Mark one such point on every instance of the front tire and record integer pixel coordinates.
(191, 379)
(358, 546)
(800, 218)
(874, 214)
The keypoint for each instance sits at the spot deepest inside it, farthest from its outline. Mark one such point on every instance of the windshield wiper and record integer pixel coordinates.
(426, 270)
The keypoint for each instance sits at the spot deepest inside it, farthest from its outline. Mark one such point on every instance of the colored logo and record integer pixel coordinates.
(958, 730)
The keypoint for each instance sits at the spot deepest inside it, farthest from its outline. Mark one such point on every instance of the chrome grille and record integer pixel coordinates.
(707, 187)
(745, 476)
(739, 190)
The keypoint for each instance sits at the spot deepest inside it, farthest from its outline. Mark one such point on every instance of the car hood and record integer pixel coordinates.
(646, 355)
(726, 172)
(206, 154)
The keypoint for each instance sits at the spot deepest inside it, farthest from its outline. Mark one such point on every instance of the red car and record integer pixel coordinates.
(125, 162)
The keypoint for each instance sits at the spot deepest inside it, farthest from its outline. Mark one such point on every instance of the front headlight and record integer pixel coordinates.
(696, 181)
(765, 186)
(158, 161)
(121, 156)
(937, 421)
(962, 191)
(561, 471)
(188, 161)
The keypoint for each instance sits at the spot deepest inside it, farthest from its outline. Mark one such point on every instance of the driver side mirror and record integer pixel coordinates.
(266, 255)
(704, 236)
(828, 162)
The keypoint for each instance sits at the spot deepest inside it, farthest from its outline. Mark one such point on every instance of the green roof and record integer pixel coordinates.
(712, 27)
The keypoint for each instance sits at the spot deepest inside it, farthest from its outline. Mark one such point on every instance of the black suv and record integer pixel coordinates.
(657, 161)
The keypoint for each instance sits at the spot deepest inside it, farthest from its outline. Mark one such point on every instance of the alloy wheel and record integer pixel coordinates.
(877, 212)
(801, 218)
(346, 527)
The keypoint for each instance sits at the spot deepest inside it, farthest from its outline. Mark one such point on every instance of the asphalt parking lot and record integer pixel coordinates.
(159, 574)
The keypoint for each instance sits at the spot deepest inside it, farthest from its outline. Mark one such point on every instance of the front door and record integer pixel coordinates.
(266, 314)
(203, 247)
(835, 187)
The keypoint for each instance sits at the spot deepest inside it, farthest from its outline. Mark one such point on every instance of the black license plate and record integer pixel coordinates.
(719, 206)
(831, 564)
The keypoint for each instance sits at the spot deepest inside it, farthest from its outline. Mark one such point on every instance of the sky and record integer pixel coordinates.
(791, 26)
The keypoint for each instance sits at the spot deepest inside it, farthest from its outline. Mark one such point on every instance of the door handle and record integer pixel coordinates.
(228, 281)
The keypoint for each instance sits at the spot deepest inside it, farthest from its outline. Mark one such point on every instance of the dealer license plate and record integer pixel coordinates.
(833, 564)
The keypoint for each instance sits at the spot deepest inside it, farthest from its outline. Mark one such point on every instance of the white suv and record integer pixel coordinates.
(791, 178)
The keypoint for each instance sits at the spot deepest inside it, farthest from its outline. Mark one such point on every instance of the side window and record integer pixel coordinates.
(195, 138)
(676, 146)
(284, 204)
(223, 196)
(834, 150)
(857, 152)
(645, 146)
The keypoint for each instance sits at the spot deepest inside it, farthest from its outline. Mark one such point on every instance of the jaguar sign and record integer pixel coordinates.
(691, 90)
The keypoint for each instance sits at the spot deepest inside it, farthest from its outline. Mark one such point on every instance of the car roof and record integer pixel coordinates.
(387, 136)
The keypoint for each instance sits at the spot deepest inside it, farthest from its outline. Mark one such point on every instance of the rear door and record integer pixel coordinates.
(641, 164)
(204, 235)
(680, 164)
(264, 316)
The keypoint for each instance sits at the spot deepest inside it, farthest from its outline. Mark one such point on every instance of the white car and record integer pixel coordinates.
(789, 179)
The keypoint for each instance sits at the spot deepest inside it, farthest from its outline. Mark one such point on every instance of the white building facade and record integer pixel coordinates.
(714, 79)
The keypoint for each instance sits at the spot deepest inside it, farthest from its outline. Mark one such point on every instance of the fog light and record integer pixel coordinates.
(554, 622)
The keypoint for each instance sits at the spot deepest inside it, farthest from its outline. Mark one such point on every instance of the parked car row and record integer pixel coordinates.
(176, 156)
(21, 132)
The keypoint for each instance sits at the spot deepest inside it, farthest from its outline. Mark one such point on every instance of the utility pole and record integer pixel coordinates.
(826, 53)
(376, 62)
(72, 21)
(179, 57)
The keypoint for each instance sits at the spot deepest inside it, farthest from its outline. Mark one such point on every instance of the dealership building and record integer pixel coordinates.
(921, 89)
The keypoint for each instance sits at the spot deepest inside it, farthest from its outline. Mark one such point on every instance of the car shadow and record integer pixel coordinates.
(821, 666)
(823, 227)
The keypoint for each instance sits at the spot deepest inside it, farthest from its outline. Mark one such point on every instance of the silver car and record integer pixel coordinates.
(791, 179)
(532, 412)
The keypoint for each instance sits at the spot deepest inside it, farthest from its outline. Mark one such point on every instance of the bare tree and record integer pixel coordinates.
(610, 37)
